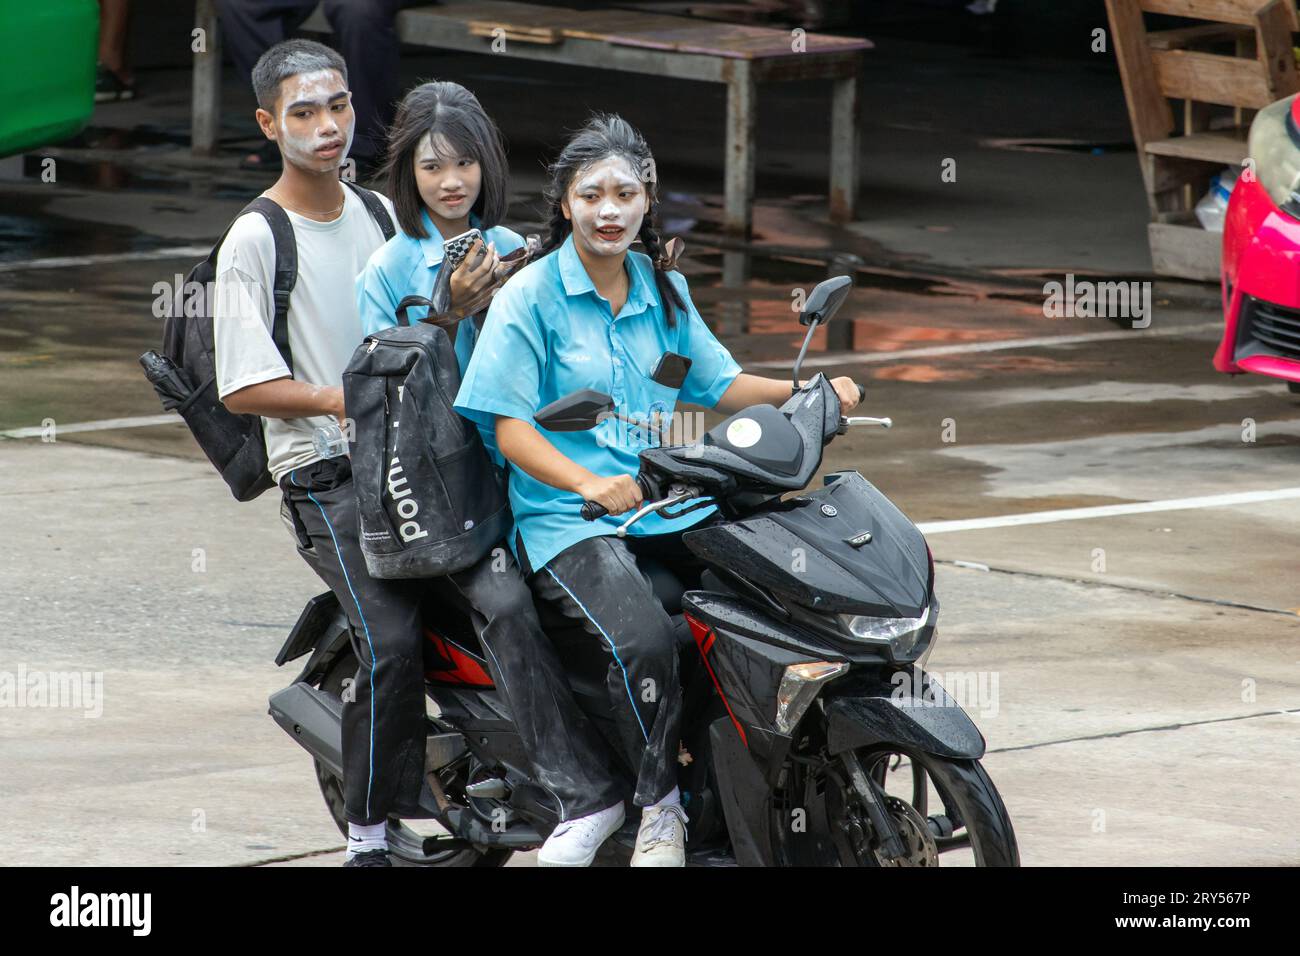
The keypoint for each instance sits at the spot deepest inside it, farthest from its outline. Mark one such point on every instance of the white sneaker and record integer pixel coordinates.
(661, 841)
(575, 842)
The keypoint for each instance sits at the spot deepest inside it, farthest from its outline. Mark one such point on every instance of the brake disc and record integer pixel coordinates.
(918, 843)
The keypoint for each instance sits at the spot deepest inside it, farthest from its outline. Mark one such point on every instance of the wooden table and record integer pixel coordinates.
(742, 57)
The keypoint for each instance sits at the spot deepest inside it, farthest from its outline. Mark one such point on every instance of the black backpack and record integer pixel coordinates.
(430, 500)
(184, 375)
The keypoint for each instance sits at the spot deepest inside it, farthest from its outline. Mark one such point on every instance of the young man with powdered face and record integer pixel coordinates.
(304, 107)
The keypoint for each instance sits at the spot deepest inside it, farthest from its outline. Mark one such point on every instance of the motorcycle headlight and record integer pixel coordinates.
(900, 634)
(1274, 150)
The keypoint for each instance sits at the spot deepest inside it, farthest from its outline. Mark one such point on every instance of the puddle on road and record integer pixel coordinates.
(1147, 465)
(108, 175)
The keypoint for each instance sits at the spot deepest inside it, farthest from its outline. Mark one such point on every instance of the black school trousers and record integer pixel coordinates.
(384, 719)
(599, 591)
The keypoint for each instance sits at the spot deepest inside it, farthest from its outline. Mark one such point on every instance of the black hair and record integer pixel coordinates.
(607, 135)
(447, 110)
(291, 58)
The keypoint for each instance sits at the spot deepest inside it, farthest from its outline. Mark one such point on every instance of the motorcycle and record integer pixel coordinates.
(811, 733)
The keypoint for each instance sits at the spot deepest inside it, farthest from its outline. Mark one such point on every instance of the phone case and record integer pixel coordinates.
(455, 248)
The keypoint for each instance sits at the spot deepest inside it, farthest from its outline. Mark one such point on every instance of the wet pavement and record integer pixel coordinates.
(1147, 667)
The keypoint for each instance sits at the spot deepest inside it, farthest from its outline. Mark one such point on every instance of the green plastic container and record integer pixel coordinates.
(47, 70)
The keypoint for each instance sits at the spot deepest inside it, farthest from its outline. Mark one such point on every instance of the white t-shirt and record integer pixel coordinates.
(324, 324)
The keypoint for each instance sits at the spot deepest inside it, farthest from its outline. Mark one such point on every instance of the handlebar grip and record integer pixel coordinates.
(591, 510)
(862, 393)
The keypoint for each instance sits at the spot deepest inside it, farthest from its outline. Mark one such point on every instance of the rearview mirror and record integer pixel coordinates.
(575, 412)
(825, 300)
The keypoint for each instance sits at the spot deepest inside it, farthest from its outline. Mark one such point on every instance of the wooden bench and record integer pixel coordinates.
(741, 56)
(1190, 64)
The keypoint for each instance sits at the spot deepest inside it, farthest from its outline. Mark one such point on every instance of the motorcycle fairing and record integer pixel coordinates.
(743, 793)
(747, 655)
(888, 576)
(446, 662)
(743, 616)
(747, 673)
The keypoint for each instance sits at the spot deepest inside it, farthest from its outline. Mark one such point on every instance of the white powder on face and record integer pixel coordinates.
(450, 176)
(315, 88)
(424, 150)
(607, 177)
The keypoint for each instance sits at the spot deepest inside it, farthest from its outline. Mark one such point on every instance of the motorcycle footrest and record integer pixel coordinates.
(465, 826)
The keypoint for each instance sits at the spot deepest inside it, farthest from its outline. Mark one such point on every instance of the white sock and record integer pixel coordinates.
(674, 796)
(362, 839)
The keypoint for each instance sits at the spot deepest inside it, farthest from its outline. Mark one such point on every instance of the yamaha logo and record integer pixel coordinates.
(829, 511)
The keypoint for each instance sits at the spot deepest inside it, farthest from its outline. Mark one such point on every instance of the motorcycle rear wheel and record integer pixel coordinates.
(405, 845)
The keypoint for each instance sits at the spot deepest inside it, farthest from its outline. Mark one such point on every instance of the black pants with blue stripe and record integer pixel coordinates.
(602, 590)
(384, 719)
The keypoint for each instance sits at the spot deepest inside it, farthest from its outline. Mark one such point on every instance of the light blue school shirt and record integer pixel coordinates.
(405, 265)
(549, 333)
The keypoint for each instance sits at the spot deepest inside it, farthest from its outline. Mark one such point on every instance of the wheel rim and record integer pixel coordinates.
(838, 828)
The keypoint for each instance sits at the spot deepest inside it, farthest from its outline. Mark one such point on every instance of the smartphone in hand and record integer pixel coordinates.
(456, 248)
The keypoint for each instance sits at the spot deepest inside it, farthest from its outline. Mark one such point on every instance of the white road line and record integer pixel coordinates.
(105, 424)
(1108, 511)
(60, 262)
(1046, 341)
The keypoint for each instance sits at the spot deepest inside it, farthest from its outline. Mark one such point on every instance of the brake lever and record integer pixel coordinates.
(863, 420)
(678, 494)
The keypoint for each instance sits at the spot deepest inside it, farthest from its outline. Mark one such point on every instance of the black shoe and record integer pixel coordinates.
(266, 157)
(110, 87)
(370, 858)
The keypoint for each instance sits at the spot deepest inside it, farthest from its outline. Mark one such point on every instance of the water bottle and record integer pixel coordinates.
(328, 441)
(1213, 207)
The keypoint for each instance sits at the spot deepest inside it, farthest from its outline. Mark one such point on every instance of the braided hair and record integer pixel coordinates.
(607, 135)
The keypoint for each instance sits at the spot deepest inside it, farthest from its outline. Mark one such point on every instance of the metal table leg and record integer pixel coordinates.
(205, 93)
(742, 114)
(846, 141)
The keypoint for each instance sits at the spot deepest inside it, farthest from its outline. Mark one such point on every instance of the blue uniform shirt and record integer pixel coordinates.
(406, 266)
(549, 333)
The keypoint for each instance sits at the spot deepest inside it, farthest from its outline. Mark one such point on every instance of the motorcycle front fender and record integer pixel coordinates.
(923, 718)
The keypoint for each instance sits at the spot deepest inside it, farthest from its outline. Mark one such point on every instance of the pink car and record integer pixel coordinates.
(1261, 253)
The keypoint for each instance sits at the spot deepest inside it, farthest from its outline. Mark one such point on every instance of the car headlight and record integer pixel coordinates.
(1274, 150)
(900, 634)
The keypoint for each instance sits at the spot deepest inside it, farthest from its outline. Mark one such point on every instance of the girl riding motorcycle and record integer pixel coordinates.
(594, 314)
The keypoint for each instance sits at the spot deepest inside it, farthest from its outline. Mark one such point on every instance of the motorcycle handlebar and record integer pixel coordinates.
(591, 510)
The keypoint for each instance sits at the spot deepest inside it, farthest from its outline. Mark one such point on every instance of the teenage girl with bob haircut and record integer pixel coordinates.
(447, 172)
(594, 314)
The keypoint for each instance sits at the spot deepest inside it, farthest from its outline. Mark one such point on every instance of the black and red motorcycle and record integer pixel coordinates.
(811, 734)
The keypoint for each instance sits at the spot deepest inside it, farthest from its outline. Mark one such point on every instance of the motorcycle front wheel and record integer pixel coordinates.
(819, 817)
(972, 815)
